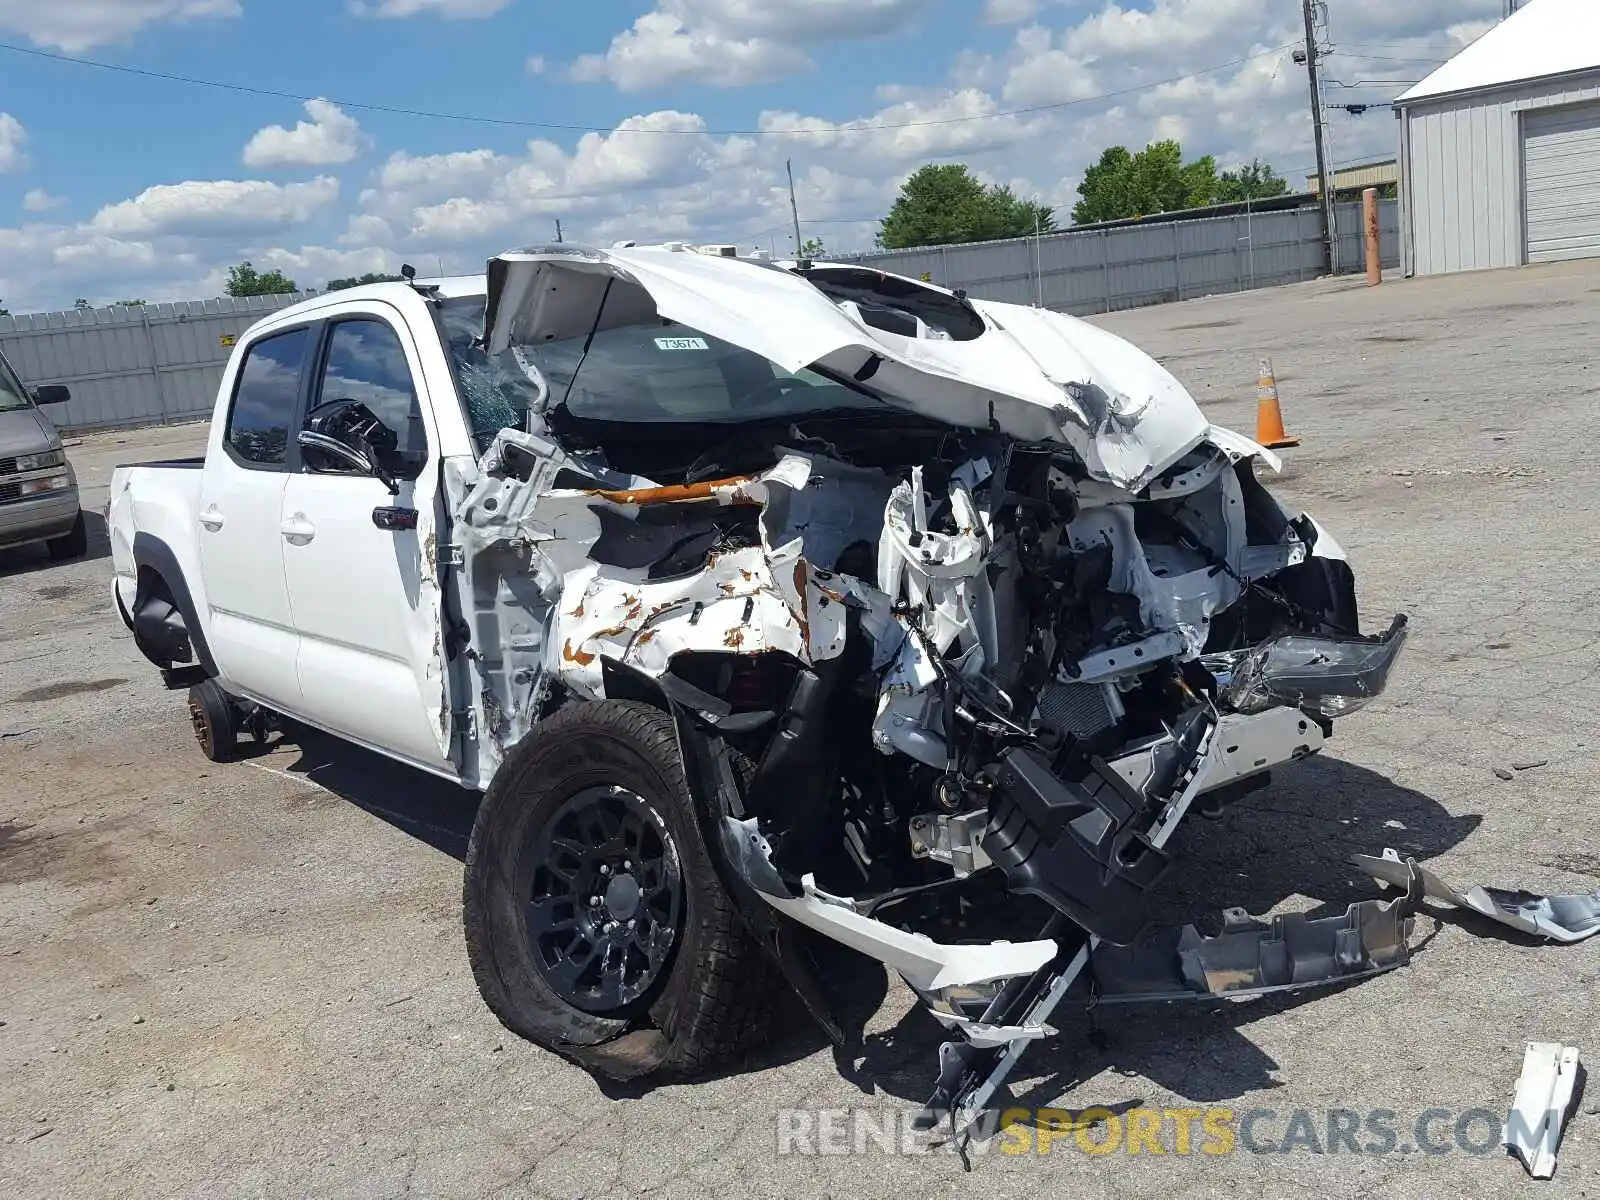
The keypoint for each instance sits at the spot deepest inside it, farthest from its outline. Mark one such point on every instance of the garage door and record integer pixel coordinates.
(1561, 153)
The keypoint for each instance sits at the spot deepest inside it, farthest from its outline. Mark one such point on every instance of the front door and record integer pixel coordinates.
(361, 563)
(251, 630)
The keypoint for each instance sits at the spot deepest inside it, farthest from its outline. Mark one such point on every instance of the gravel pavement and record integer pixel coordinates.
(249, 980)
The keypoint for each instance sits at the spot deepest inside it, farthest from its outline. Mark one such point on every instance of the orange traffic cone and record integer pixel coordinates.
(1269, 416)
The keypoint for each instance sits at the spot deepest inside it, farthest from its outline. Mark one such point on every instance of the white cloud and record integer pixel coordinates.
(39, 200)
(13, 137)
(449, 9)
(216, 208)
(75, 25)
(536, 64)
(104, 251)
(329, 138)
(366, 229)
(734, 43)
(1010, 12)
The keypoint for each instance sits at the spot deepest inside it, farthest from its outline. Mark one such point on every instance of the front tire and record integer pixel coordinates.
(595, 922)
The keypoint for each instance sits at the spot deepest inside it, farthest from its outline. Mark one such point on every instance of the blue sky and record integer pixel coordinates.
(115, 185)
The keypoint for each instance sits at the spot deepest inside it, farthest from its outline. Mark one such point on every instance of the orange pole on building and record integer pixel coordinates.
(1369, 214)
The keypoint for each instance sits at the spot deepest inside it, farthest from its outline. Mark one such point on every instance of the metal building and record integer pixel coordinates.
(1500, 147)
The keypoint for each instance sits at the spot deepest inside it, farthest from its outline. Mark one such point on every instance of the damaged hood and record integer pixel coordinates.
(1036, 375)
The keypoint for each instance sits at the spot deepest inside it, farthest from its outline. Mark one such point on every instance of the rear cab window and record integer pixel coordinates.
(266, 401)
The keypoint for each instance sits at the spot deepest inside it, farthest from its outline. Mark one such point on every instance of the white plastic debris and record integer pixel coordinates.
(1539, 1112)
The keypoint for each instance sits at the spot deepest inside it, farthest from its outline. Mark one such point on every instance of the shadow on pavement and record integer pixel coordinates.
(432, 810)
(26, 560)
(1291, 841)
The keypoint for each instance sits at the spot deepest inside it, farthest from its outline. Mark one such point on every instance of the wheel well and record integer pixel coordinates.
(166, 627)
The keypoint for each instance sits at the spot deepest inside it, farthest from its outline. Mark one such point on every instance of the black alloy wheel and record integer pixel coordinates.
(606, 899)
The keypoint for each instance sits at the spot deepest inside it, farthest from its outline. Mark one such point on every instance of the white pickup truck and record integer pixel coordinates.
(764, 601)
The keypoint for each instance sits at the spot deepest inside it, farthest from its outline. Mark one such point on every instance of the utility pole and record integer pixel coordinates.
(799, 252)
(558, 230)
(1324, 183)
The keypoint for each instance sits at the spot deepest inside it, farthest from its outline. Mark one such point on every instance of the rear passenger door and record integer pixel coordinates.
(251, 629)
(362, 563)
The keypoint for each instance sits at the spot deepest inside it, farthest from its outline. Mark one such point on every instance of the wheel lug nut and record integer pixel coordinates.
(594, 901)
(605, 869)
(627, 866)
(631, 924)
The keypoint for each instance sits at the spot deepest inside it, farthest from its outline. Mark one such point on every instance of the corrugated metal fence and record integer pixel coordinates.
(161, 363)
(147, 364)
(1105, 270)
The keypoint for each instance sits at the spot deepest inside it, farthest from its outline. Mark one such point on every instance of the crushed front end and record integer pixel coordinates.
(944, 693)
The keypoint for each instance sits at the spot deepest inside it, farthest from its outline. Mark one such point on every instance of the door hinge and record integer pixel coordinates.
(464, 722)
(452, 556)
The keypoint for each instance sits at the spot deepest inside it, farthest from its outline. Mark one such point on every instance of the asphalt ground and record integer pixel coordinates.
(249, 980)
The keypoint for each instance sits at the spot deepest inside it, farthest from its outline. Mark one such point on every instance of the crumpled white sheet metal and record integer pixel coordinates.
(1567, 919)
(1539, 1111)
(1039, 376)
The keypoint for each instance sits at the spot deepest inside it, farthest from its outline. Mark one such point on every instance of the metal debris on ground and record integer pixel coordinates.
(1539, 1112)
(1254, 958)
(1561, 918)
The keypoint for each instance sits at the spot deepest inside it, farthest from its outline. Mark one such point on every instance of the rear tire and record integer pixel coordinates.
(71, 545)
(533, 875)
(216, 721)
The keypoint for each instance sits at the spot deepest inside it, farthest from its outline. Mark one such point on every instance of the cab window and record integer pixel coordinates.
(366, 363)
(265, 400)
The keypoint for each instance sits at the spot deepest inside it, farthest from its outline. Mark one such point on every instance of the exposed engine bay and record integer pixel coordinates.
(999, 629)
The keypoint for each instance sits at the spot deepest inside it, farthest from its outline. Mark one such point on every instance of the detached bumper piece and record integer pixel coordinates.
(1074, 845)
(1330, 676)
(1539, 1112)
(1567, 919)
(1256, 958)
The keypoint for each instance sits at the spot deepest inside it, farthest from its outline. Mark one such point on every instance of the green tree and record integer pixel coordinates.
(1123, 185)
(338, 285)
(813, 248)
(945, 204)
(1255, 181)
(245, 280)
(130, 303)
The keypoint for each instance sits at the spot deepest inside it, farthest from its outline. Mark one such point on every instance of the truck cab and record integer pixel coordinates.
(298, 581)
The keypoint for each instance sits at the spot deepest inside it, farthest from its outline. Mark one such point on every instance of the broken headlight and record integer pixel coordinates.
(1330, 676)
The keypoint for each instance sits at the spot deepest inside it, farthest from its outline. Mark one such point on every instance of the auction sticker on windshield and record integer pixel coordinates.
(692, 343)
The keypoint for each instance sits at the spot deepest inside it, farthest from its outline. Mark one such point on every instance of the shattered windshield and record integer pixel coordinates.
(651, 372)
(12, 393)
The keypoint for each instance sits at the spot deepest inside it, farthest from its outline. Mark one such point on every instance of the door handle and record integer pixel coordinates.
(212, 519)
(395, 519)
(298, 531)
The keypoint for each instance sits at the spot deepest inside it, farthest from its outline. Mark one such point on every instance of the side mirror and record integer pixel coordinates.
(52, 393)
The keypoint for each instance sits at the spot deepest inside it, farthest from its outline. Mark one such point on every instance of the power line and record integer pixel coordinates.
(1381, 58)
(556, 126)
